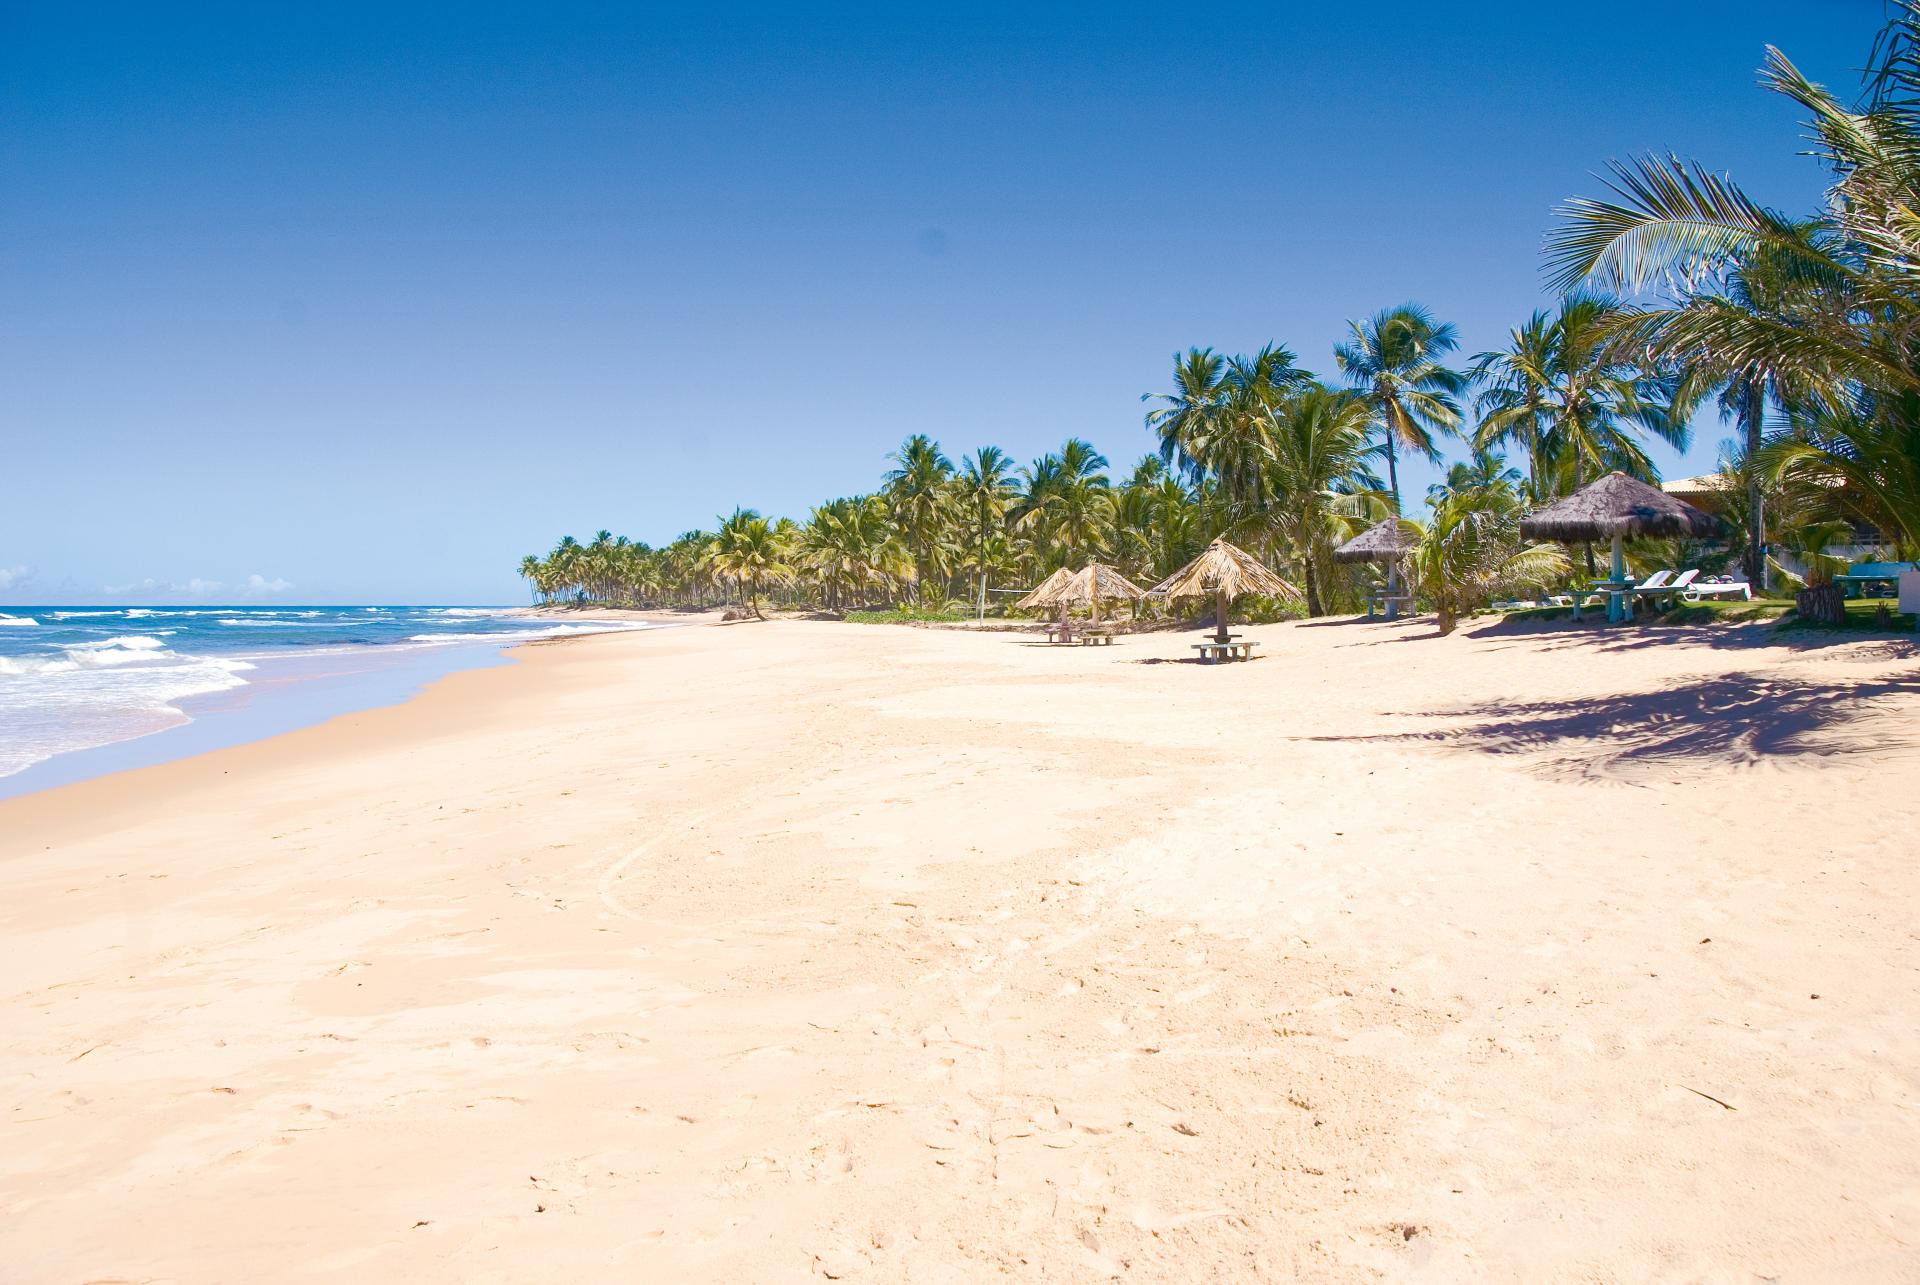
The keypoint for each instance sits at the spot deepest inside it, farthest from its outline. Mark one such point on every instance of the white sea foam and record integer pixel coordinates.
(17, 622)
(93, 693)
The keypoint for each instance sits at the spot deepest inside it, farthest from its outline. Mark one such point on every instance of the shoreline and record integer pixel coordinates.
(289, 687)
(929, 953)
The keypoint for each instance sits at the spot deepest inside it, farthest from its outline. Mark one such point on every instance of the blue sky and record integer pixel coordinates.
(342, 303)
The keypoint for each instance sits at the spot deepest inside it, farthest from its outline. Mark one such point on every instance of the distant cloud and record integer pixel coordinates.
(16, 577)
(254, 586)
(195, 587)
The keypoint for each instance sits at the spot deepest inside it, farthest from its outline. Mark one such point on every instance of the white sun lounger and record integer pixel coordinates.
(1656, 587)
(1737, 589)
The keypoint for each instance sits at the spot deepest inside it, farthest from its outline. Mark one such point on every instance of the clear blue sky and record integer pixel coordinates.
(367, 301)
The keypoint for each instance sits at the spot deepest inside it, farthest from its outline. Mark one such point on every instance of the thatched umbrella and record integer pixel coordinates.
(1619, 508)
(1049, 593)
(1225, 572)
(1386, 541)
(1088, 587)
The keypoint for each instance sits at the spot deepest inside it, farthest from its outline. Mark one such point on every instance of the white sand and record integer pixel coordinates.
(754, 952)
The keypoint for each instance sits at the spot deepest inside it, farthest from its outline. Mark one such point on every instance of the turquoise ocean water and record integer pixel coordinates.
(76, 682)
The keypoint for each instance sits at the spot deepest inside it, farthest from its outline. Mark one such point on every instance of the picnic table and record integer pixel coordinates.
(1235, 648)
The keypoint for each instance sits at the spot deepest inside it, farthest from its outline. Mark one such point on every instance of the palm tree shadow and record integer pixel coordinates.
(1597, 635)
(1709, 724)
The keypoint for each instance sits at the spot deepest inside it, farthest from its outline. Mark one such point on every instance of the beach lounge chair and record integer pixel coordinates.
(1671, 589)
(1655, 583)
(1718, 587)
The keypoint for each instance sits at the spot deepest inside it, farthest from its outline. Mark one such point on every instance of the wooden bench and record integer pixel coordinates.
(1232, 649)
(1059, 633)
(1099, 637)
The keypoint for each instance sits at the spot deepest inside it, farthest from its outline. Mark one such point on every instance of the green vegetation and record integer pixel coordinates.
(1681, 290)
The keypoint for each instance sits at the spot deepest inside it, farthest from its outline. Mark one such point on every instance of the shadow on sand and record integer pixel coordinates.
(1693, 727)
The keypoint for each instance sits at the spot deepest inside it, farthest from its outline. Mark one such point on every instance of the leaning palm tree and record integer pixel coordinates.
(984, 488)
(1395, 361)
(747, 551)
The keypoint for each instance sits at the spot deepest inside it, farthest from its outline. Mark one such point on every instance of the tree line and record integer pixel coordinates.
(1681, 292)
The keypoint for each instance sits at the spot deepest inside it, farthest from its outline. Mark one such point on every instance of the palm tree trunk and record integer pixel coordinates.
(1393, 471)
(1533, 461)
(1753, 411)
(1313, 589)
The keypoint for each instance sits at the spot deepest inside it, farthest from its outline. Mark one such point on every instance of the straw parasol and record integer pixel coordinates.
(1619, 508)
(1089, 587)
(1225, 572)
(1048, 594)
(1616, 508)
(1388, 541)
(1385, 541)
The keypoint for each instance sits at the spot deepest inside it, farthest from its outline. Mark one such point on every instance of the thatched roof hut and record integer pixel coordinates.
(1385, 541)
(1088, 587)
(1046, 593)
(1618, 507)
(1093, 583)
(1225, 572)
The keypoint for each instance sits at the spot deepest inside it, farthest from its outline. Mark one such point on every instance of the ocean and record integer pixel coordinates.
(76, 681)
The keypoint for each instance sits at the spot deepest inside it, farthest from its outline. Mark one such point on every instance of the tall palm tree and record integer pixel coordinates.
(1513, 400)
(1395, 360)
(984, 489)
(1599, 402)
(1192, 412)
(917, 489)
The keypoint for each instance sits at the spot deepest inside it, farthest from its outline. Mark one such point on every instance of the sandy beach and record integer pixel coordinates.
(793, 950)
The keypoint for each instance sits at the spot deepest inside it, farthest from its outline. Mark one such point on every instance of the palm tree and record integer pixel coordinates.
(1839, 296)
(1394, 360)
(1187, 422)
(1513, 401)
(985, 488)
(746, 550)
(1068, 508)
(917, 489)
(1316, 485)
(1470, 550)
